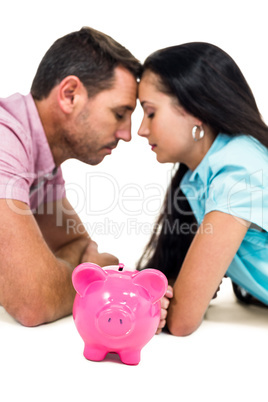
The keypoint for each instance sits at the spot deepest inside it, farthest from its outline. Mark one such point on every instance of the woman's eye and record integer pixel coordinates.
(150, 115)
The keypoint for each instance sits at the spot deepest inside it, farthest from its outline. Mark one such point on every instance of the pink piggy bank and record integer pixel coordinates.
(115, 310)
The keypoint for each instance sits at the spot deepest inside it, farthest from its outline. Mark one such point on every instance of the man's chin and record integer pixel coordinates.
(97, 158)
(94, 161)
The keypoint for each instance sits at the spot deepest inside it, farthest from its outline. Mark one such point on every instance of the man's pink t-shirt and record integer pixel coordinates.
(27, 169)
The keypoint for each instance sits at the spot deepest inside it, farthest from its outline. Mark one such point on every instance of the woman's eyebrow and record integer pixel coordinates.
(144, 103)
(147, 103)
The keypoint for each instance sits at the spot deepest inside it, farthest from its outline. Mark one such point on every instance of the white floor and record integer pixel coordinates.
(225, 360)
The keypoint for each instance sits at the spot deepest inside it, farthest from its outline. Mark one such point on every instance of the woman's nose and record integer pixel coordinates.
(143, 130)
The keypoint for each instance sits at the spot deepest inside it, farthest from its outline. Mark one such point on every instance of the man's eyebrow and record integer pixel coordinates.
(128, 107)
(125, 107)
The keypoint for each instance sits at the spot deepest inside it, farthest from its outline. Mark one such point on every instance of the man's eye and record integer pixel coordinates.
(119, 116)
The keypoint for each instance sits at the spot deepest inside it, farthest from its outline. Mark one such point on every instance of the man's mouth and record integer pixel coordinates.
(111, 146)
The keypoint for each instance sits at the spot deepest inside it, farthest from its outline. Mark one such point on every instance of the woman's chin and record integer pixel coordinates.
(162, 159)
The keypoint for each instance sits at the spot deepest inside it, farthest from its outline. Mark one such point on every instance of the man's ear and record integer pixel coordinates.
(70, 91)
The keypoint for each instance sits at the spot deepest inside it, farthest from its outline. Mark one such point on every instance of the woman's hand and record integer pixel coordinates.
(164, 307)
(91, 254)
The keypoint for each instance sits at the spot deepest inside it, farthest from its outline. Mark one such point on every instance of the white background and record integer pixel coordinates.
(119, 199)
(226, 359)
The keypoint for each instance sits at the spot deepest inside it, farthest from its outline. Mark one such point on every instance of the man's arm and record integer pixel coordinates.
(37, 261)
(65, 234)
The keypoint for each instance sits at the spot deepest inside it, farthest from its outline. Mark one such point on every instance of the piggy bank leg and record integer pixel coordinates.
(94, 353)
(130, 356)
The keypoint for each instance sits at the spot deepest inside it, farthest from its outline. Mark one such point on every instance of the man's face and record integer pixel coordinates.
(102, 120)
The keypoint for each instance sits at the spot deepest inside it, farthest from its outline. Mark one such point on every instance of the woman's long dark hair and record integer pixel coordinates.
(209, 85)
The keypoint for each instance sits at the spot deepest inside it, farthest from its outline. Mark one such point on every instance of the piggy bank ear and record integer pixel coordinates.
(153, 281)
(86, 273)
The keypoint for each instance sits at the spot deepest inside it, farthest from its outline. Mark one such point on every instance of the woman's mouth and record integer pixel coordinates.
(153, 146)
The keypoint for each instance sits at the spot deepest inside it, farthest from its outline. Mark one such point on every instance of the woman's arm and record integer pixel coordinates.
(208, 258)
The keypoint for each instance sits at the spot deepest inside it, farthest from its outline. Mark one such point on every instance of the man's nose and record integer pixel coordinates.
(124, 133)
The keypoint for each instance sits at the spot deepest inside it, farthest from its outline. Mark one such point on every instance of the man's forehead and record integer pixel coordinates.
(124, 79)
(122, 94)
(121, 74)
(125, 88)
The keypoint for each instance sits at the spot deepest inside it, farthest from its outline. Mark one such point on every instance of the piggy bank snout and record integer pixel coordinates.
(115, 321)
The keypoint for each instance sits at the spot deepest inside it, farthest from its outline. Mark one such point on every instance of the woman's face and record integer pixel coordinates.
(166, 125)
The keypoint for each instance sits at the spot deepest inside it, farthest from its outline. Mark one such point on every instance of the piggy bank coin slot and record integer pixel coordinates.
(121, 267)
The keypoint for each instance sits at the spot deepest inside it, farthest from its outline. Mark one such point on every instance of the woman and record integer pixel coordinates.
(199, 111)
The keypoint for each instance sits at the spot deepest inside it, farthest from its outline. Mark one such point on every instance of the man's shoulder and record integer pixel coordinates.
(14, 116)
(12, 109)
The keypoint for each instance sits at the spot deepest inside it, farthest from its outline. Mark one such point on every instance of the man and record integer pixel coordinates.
(80, 106)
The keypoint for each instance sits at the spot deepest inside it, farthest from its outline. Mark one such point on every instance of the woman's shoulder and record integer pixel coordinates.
(240, 150)
(238, 182)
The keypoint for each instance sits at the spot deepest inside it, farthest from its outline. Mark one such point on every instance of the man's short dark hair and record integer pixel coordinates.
(88, 54)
